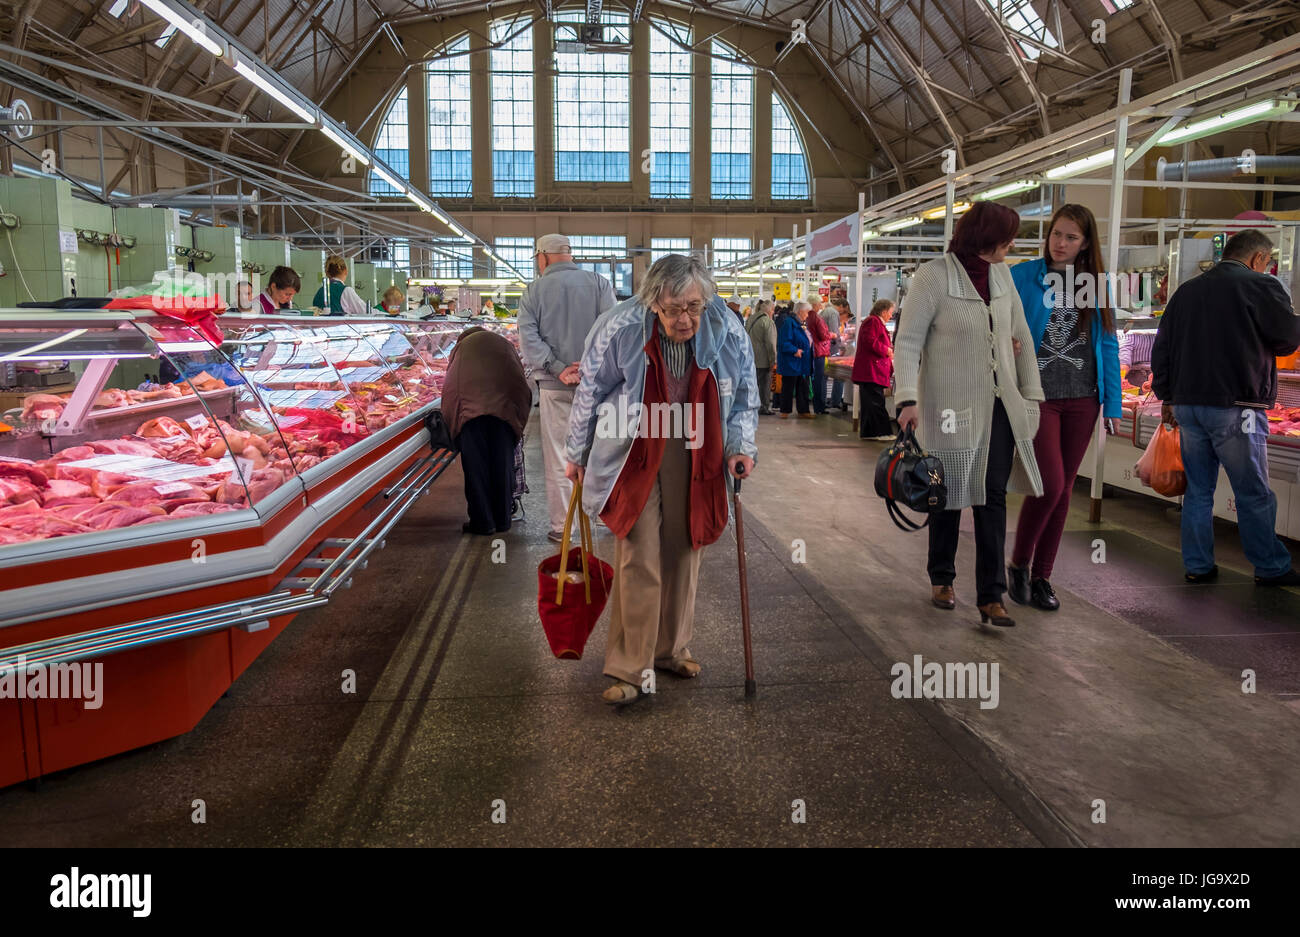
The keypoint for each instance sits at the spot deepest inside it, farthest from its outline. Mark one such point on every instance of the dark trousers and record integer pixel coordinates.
(819, 385)
(990, 522)
(1064, 431)
(764, 389)
(794, 389)
(873, 418)
(487, 456)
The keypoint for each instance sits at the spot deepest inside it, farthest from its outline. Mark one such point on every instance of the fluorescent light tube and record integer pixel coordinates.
(1008, 188)
(419, 201)
(345, 145)
(1227, 120)
(388, 177)
(1078, 166)
(179, 20)
(868, 235)
(256, 77)
(900, 224)
(936, 213)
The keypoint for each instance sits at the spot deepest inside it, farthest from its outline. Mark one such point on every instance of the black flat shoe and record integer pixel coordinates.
(1018, 584)
(1289, 578)
(1042, 596)
(465, 528)
(1199, 578)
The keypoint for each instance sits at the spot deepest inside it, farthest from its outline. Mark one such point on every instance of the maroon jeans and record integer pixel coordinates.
(1064, 431)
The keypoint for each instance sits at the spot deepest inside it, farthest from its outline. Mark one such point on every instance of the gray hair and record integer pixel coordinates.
(803, 304)
(1245, 244)
(672, 275)
(763, 305)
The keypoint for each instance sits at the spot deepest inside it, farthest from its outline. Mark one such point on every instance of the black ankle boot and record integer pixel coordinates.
(1042, 596)
(1018, 584)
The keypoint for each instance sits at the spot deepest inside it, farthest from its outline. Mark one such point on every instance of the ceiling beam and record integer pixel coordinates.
(1018, 60)
(861, 13)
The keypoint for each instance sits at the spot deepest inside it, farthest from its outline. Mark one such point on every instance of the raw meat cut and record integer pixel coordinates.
(25, 509)
(109, 398)
(64, 488)
(8, 536)
(143, 493)
(124, 447)
(14, 490)
(44, 525)
(162, 426)
(24, 470)
(111, 515)
(69, 507)
(38, 407)
(200, 508)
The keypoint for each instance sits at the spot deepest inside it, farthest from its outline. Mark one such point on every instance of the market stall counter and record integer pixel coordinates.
(170, 513)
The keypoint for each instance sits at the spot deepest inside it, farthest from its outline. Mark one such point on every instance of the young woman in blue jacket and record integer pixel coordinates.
(1065, 301)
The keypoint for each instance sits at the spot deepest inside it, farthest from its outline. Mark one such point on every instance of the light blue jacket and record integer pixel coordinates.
(613, 372)
(1030, 277)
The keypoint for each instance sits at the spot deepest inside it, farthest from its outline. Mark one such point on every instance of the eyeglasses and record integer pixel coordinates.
(694, 310)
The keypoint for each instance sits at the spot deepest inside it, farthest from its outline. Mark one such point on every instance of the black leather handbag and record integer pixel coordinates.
(906, 474)
(439, 433)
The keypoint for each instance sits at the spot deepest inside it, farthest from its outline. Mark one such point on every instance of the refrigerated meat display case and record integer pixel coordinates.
(170, 529)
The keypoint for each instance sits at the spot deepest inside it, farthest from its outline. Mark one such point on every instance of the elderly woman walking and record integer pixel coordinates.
(967, 380)
(666, 407)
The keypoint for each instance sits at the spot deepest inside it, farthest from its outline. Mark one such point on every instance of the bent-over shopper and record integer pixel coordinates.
(485, 402)
(674, 349)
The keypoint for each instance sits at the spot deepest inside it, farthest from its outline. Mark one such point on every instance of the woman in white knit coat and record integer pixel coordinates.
(972, 395)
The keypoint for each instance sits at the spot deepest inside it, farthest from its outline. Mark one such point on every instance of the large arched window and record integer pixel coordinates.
(512, 109)
(392, 145)
(450, 165)
(592, 109)
(733, 125)
(670, 110)
(789, 168)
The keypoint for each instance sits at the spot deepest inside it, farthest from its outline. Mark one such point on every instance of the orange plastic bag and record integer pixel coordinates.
(1161, 466)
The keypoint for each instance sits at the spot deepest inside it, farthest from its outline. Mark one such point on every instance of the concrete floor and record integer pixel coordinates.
(1130, 695)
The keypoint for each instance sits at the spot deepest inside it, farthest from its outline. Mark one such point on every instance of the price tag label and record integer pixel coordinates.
(244, 467)
(172, 488)
(198, 421)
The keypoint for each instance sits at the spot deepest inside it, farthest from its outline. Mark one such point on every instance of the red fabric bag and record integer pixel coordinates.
(570, 610)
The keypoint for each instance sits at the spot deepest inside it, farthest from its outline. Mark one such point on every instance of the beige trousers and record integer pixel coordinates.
(555, 408)
(656, 572)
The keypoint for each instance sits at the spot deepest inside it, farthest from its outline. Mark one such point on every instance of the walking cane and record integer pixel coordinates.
(751, 687)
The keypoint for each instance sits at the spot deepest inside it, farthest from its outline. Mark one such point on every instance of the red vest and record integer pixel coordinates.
(707, 499)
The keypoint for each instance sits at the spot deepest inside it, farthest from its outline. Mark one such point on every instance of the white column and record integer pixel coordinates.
(1112, 262)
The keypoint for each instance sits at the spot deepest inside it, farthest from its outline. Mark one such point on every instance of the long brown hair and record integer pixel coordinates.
(1089, 259)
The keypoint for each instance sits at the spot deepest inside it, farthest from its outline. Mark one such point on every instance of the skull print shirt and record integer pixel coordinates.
(1066, 363)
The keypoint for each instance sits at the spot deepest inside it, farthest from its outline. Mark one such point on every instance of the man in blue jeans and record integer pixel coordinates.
(1213, 367)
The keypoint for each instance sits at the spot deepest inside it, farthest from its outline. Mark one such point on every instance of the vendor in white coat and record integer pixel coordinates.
(972, 396)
